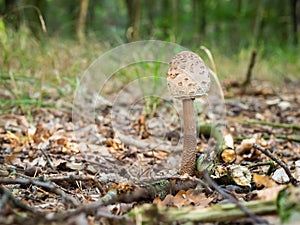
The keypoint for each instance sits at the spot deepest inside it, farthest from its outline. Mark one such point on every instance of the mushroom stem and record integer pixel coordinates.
(188, 158)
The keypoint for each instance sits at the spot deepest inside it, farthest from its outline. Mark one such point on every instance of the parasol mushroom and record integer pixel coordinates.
(188, 78)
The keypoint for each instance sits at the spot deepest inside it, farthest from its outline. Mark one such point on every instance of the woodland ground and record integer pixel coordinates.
(49, 177)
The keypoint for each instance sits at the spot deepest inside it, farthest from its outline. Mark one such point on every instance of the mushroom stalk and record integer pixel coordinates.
(188, 159)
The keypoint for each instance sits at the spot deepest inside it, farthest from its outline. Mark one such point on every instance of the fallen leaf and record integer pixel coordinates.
(263, 180)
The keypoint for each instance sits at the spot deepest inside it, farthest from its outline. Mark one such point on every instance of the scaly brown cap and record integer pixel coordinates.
(188, 76)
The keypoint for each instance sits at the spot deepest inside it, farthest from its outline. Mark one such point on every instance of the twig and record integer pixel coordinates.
(89, 209)
(69, 178)
(148, 191)
(50, 187)
(6, 195)
(279, 136)
(278, 161)
(257, 164)
(43, 148)
(249, 71)
(243, 208)
(280, 125)
(218, 213)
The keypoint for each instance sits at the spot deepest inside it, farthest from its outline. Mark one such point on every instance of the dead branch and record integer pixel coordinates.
(71, 177)
(147, 192)
(243, 208)
(257, 164)
(249, 71)
(260, 122)
(217, 213)
(279, 136)
(43, 147)
(7, 195)
(286, 137)
(281, 163)
(47, 185)
(226, 212)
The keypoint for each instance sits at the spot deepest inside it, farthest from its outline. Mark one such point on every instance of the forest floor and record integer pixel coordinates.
(48, 176)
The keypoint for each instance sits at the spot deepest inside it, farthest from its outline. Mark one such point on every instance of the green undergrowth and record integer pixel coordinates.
(277, 65)
(40, 73)
(45, 72)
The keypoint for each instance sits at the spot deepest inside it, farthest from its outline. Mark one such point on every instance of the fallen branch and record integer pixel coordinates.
(278, 161)
(286, 137)
(260, 122)
(72, 178)
(218, 213)
(279, 136)
(257, 164)
(43, 147)
(47, 185)
(232, 199)
(249, 71)
(147, 192)
(7, 195)
(286, 204)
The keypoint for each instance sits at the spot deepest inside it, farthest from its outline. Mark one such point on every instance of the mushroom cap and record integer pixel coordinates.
(188, 76)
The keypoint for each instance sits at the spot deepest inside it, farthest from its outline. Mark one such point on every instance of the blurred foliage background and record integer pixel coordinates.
(53, 40)
(228, 24)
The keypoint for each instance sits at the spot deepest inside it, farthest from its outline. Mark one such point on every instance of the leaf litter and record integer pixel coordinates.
(48, 176)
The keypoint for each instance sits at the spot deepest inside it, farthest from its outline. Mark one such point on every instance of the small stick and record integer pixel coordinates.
(260, 122)
(212, 183)
(269, 163)
(43, 148)
(148, 191)
(279, 136)
(278, 161)
(70, 178)
(250, 68)
(6, 195)
(49, 186)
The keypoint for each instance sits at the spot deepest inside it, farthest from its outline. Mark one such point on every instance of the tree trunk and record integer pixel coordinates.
(12, 16)
(134, 15)
(165, 14)
(82, 21)
(174, 20)
(72, 10)
(293, 4)
(202, 17)
(258, 23)
(150, 14)
(199, 19)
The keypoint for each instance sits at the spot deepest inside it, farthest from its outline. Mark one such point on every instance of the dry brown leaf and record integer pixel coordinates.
(268, 193)
(184, 198)
(198, 198)
(245, 146)
(41, 134)
(263, 180)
